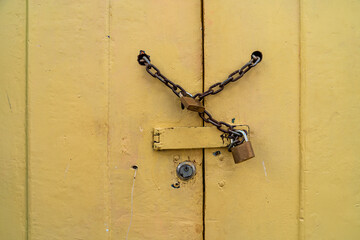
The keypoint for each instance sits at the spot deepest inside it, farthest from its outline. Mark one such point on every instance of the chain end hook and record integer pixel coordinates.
(141, 60)
(257, 57)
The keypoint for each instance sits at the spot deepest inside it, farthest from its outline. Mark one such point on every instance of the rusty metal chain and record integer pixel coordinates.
(228, 130)
(144, 59)
(233, 77)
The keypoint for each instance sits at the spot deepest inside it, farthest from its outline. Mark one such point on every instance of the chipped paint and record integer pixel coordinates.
(131, 202)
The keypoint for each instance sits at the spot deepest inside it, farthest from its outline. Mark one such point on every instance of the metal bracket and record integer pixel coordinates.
(188, 138)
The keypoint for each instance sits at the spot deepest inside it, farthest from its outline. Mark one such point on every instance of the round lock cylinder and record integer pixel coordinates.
(186, 170)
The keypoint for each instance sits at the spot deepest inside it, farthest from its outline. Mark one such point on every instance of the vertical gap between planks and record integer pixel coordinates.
(301, 137)
(203, 123)
(107, 185)
(26, 223)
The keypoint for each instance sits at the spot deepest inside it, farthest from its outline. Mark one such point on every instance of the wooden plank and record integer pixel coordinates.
(188, 138)
(259, 198)
(170, 32)
(330, 201)
(68, 123)
(13, 200)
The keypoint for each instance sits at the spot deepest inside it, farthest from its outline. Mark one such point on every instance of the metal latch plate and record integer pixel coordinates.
(188, 138)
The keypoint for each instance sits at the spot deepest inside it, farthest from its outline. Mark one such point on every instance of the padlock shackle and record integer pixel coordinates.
(232, 141)
(244, 134)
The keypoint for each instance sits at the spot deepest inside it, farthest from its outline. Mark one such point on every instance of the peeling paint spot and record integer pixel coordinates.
(67, 169)
(175, 185)
(132, 201)
(216, 153)
(221, 184)
(141, 129)
(264, 169)
(233, 120)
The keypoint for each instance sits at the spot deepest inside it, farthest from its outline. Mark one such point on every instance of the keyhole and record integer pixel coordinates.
(185, 170)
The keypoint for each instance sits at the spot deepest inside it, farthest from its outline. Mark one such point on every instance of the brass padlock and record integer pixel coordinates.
(243, 151)
(191, 104)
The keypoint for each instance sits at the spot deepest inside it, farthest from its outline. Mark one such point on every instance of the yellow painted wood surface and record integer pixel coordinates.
(170, 32)
(77, 112)
(330, 104)
(13, 202)
(257, 199)
(81, 148)
(68, 122)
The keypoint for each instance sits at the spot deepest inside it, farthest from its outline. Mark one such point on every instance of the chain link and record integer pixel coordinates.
(228, 130)
(233, 77)
(145, 60)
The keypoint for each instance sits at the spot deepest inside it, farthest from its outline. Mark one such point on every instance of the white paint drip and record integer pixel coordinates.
(264, 169)
(132, 203)
(66, 170)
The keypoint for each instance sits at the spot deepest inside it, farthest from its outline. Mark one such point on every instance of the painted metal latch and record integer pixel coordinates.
(188, 138)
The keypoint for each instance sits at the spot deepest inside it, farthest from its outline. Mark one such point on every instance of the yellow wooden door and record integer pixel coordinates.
(170, 31)
(259, 198)
(302, 103)
(77, 116)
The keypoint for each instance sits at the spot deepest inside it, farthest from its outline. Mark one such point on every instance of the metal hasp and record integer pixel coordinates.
(186, 170)
(188, 138)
